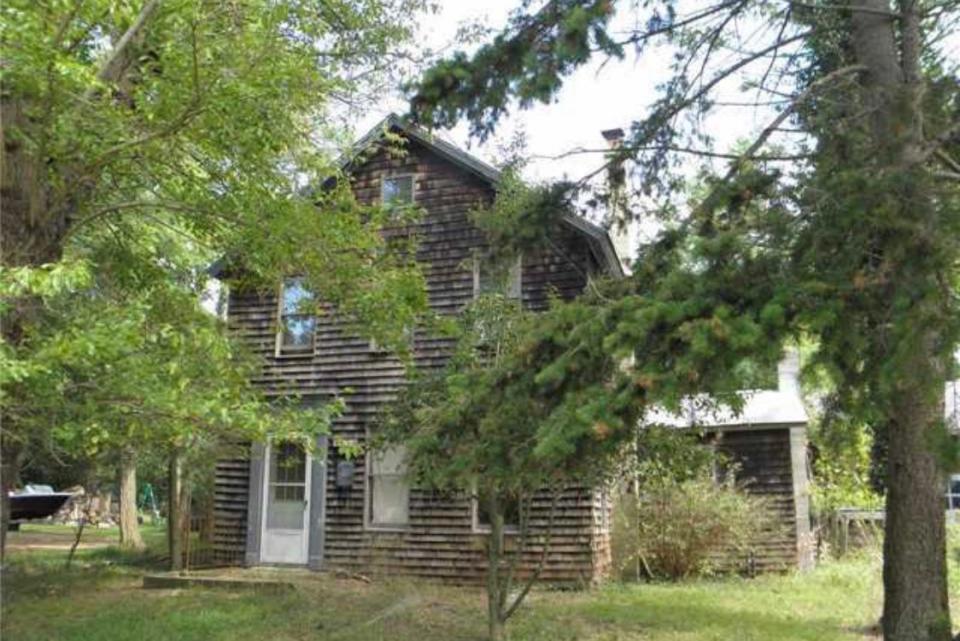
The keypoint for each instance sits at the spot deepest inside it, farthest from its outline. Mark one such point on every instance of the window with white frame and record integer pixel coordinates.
(489, 277)
(388, 488)
(297, 322)
(396, 191)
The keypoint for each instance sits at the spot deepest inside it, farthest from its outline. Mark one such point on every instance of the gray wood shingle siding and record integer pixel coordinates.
(765, 468)
(439, 542)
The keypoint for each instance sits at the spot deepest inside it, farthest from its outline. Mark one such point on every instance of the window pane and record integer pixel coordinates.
(298, 330)
(391, 460)
(388, 486)
(288, 464)
(511, 512)
(397, 190)
(295, 295)
(390, 498)
(297, 324)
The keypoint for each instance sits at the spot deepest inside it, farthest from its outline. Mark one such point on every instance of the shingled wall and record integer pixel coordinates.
(440, 542)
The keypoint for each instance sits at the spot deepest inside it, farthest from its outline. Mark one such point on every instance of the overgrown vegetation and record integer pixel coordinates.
(100, 599)
(142, 141)
(841, 470)
(848, 233)
(683, 515)
(474, 427)
(696, 527)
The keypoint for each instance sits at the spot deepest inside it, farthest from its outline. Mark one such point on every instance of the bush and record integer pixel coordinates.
(841, 468)
(689, 528)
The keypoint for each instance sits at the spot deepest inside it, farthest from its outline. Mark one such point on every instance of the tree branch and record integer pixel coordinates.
(948, 160)
(108, 69)
(666, 112)
(843, 7)
(943, 138)
(706, 153)
(768, 131)
(541, 563)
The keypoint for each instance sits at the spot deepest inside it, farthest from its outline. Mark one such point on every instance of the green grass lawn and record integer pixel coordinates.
(101, 598)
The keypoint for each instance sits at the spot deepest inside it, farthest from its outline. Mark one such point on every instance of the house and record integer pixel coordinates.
(766, 441)
(279, 506)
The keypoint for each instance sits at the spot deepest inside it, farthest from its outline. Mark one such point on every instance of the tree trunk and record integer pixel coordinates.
(915, 604)
(28, 238)
(129, 527)
(495, 596)
(9, 473)
(174, 512)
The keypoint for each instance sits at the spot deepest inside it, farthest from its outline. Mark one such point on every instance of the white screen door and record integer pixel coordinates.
(286, 511)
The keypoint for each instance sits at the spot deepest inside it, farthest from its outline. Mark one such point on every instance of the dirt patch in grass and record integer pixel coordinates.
(34, 540)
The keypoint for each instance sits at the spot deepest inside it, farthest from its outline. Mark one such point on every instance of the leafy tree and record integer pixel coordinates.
(204, 121)
(469, 428)
(532, 403)
(853, 242)
(112, 374)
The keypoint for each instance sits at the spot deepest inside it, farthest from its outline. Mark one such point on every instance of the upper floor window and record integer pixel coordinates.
(396, 191)
(297, 322)
(492, 278)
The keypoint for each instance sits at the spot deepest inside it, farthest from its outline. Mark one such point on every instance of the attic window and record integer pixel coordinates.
(396, 191)
(297, 323)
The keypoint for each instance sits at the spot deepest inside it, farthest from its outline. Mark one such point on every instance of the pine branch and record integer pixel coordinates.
(669, 111)
(775, 124)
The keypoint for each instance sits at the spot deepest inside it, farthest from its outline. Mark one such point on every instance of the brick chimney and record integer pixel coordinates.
(617, 206)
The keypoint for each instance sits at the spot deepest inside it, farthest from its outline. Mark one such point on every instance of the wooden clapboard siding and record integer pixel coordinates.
(764, 468)
(440, 542)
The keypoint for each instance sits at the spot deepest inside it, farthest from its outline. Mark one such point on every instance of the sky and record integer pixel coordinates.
(594, 98)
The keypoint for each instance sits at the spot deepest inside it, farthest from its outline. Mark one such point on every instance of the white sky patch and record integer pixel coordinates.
(603, 94)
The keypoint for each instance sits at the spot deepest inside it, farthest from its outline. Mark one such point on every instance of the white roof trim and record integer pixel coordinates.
(760, 408)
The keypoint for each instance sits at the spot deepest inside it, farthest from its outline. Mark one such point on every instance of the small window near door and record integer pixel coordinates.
(388, 489)
(396, 191)
(297, 322)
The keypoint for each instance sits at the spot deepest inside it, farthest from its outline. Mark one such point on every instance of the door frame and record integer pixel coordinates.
(308, 507)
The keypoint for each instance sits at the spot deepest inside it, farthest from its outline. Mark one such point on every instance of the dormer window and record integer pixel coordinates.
(297, 322)
(396, 191)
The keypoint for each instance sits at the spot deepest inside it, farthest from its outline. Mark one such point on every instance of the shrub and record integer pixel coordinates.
(841, 467)
(676, 530)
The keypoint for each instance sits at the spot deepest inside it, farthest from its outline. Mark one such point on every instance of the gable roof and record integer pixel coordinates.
(597, 236)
